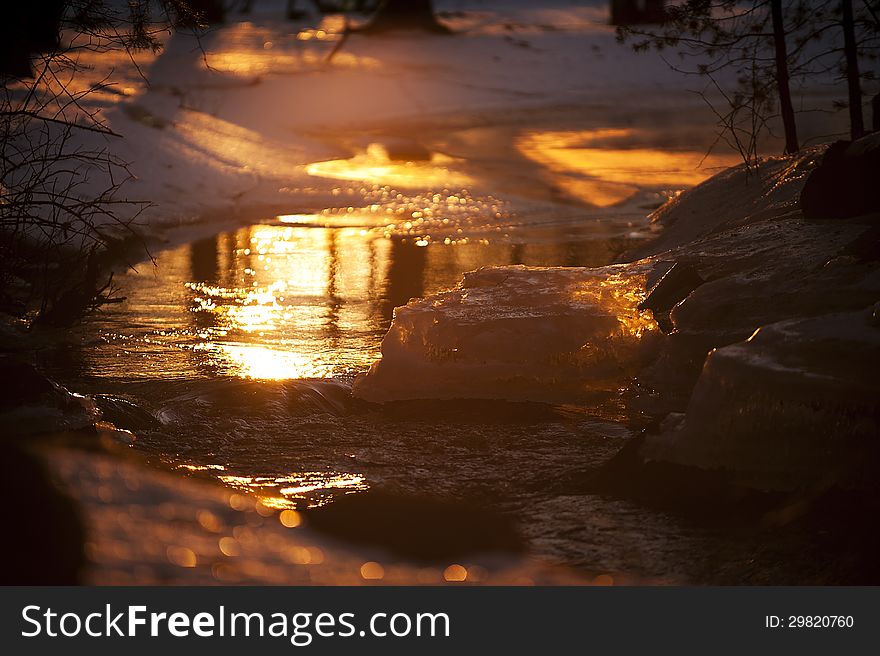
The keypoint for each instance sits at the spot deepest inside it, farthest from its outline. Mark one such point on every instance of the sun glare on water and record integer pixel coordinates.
(375, 166)
(604, 167)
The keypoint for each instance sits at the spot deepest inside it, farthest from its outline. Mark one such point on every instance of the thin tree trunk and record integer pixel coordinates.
(853, 79)
(875, 111)
(785, 106)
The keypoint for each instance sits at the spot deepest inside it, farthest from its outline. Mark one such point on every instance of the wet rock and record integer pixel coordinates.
(703, 494)
(124, 413)
(22, 383)
(844, 185)
(796, 406)
(757, 274)
(675, 285)
(43, 535)
(34, 404)
(421, 528)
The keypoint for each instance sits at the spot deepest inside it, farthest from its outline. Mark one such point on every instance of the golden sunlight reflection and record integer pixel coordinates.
(289, 518)
(181, 556)
(277, 313)
(298, 300)
(269, 364)
(375, 166)
(619, 294)
(595, 167)
(372, 571)
(455, 573)
(300, 488)
(247, 49)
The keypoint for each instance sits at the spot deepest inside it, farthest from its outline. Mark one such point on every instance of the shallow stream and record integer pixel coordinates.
(237, 352)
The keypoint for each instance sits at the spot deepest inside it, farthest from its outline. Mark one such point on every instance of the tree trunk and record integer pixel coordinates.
(875, 111)
(394, 15)
(785, 106)
(853, 79)
(637, 12)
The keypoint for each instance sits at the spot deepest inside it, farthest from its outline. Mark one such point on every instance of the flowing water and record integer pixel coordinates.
(233, 357)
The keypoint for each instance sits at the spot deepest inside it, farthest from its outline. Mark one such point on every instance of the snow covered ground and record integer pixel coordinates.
(527, 109)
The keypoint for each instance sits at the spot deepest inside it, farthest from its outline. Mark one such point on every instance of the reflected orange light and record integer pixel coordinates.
(372, 571)
(268, 364)
(290, 518)
(374, 166)
(588, 168)
(619, 294)
(281, 492)
(181, 556)
(271, 318)
(229, 547)
(248, 49)
(455, 573)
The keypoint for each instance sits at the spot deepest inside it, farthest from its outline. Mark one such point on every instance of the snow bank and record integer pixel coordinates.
(737, 196)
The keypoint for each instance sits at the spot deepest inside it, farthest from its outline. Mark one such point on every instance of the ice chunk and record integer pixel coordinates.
(518, 333)
(797, 404)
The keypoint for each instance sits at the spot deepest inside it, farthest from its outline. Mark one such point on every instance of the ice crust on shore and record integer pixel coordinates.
(737, 196)
(516, 332)
(795, 405)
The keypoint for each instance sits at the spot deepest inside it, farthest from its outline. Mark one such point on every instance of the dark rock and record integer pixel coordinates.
(795, 406)
(125, 414)
(707, 495)
(43, 535)
(32, 404)
(675, 285)
(866, 247)
(21, 383)
(844, 185)
(417, 527)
